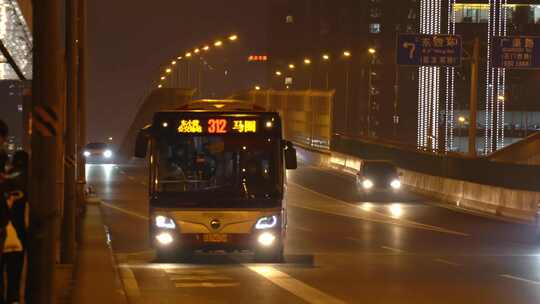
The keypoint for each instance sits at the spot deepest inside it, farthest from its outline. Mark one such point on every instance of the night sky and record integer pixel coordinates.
(129, 41)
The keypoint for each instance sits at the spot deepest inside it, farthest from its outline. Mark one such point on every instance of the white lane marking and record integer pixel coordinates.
(391, 220)
(125, 211)
(199, 278)
(189, 271)
(446, 262)
(511, 277)
(130, 282)
(296, 287)
(301, 228)
(206, 285)
(392, 249)
(353, 239)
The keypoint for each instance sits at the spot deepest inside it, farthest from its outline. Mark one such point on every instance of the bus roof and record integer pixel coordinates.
(223, 105)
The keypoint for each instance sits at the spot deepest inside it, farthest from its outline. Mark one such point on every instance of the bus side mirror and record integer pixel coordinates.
(141, 144)
(291, 163)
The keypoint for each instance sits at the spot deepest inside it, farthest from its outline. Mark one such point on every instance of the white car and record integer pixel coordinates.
(98, 153)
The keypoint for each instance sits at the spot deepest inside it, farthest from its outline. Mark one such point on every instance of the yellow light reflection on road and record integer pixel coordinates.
(396, 210)
(367, 206)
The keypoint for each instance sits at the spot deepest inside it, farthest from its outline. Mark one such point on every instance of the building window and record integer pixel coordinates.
(375, 12)
(412, 14)
(535, 13)
(477, 12)
(289, 19)
(375, 28)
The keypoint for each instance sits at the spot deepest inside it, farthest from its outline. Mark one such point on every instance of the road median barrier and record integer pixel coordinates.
(510, 203)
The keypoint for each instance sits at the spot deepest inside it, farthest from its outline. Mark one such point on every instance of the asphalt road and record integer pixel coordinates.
(341, 248)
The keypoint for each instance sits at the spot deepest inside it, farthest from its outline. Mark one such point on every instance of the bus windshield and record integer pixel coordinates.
(236, 166)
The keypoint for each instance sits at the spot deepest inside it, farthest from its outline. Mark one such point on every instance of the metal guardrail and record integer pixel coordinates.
(475, 170)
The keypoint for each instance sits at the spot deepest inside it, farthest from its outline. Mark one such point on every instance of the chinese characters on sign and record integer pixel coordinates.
(429, 50)
(190, 126)
(217, 126)
(245, 126)
(516, 52)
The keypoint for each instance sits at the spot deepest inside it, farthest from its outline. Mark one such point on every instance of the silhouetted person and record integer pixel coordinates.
(4, 130)
(12, 260)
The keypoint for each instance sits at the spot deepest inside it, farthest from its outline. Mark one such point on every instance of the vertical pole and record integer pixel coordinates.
(81, 115)
(370, 85)
(474, 97)
(347, 98)
(48, 95)
(396, 102)
(67, 253)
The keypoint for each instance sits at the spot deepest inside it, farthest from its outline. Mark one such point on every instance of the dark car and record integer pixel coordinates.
(375, 176)
(98, 153)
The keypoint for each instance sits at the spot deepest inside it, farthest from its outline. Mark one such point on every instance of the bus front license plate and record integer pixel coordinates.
(215, 238)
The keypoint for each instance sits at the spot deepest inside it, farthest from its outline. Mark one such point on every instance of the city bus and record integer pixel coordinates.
(217, 171)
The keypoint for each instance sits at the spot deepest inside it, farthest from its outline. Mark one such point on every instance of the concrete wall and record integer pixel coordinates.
(515, 204)
(158, 100)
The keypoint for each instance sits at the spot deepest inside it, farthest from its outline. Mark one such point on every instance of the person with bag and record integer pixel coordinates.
(4, 130)
(12, 260)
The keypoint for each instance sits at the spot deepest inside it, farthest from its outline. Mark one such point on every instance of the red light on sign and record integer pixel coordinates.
(217, 126)
(258, 58)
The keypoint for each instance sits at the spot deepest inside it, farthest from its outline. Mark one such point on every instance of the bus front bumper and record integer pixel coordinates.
(257, 240)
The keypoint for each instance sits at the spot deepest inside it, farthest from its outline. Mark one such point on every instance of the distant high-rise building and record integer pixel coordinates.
(374, 94)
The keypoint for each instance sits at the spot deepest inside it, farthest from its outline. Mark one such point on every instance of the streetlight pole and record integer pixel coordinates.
(347, 55)
(69, 214)
(48, 97)
(372, 52)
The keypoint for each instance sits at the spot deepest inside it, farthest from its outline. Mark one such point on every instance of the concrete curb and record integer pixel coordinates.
(97, 277)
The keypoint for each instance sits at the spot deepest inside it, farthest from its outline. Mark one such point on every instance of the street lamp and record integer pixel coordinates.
(347, 54)
(233, 38)
(307, 63)
(257, 88)
(278, 73)
(168, 70)
(326, 57)
(160, 86)
(218, 43)
(372, 51)
(292, 66)
(179, 58)
(196, 51)
(188, 54)
(173, 62)
(163, 77)
(462, 120)
(206, 48)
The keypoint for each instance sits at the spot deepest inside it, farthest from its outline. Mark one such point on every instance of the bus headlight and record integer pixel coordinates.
(164, 238)
(164, 222)
(395, 184)
(266, 222)
(266, 239)
(107, 154)
(367, 184)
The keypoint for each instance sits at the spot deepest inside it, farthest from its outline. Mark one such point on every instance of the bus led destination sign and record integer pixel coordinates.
(217, 126)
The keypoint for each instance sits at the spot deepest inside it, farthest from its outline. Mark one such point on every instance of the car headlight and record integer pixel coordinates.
(396, 184)
(164, 222)
(107, 153)
(86, 153)
(165, 238)
(266, 239)
(266, 222)
(367, 184)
